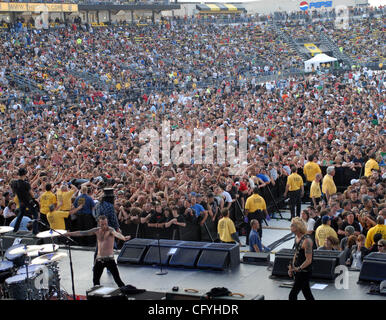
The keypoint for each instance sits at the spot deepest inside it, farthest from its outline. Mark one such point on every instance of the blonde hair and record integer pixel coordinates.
(299, 225)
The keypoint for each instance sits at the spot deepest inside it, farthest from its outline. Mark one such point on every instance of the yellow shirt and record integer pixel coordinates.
(315, 191)
(328, 185)
(310, 170)
(294, 181)
(379, 228)
(322, 233)
(370, 165)
(255, 202)
(46, 200)
(56, 219)
(65, 198)
(226, 228)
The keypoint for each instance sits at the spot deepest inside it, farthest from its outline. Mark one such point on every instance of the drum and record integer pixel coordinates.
(18, 287)
(18, 258)
(37, 269)
(6, 270)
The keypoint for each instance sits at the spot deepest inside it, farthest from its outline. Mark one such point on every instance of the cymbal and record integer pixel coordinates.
(50, 233)
(6, 229)
(48, 248)
(25, 250)
(49, 257)
(34, 250)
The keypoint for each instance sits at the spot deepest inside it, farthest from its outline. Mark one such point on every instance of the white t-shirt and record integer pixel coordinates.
(310, 224)
(227, 196)
(7, 213)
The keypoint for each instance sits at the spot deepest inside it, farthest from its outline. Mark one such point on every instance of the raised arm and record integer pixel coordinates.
(90, 232)
(120, 236)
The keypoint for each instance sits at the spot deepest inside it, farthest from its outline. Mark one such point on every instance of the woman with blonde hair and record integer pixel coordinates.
(301, 265)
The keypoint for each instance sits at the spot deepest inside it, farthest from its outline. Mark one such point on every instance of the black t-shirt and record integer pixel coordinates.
(355, 225)
(22, 189)
(157, 217)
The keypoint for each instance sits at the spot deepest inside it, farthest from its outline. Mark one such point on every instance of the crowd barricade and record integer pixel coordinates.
(272, 194)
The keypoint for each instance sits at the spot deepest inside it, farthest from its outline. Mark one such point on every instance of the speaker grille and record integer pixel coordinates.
(218, 260)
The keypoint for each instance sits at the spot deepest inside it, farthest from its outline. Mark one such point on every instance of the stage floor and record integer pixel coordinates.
(246, 279)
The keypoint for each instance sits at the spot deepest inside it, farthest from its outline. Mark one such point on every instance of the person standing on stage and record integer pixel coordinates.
(295, 190)
(105, 256)
(328, 184)
(315, 191)
(22, 189)
(301, 265)
(255, 208)
(310, 170)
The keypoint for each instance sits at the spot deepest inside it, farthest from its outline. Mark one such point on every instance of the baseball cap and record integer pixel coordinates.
(325, 219)
(353, 181)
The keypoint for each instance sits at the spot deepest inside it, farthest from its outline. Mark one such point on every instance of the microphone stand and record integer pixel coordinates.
(160, 273)
(69, 254)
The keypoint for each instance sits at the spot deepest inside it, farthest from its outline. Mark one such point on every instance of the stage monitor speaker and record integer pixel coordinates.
(187, 253)
(192, 294)
(184, 257)
(217, 260)
(257, 258)
(282, 259)
(217, 251)
(340, 256)
(323, 267)
(374, 267)
(323, 263)
(105, 293)
(133, 251)
(153, 255)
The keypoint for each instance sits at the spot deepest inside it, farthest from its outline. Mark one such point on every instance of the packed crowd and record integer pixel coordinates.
(93, 142)
(363, 40)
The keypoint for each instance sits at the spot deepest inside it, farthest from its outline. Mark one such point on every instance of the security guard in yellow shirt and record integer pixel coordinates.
(226, 228)
(295, 191)
(255, 208)
(370, 165)
(310, 170)
(315, 191)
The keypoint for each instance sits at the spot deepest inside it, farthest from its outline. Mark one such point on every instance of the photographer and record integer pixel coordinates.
(22, 189)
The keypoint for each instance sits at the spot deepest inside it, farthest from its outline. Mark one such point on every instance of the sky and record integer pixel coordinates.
(372, 2)
(377, 2)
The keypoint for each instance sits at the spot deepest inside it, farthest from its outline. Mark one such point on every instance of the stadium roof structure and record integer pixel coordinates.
(220, 8)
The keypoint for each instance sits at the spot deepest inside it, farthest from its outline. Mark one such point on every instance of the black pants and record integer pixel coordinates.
(302, 283)
(295, 201)
(257, 215)
(307, 189)
(23, 212)
(317, 200)
(111, 266)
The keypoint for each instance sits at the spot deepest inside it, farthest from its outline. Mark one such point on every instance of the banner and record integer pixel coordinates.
(312, 48)
(37, 7)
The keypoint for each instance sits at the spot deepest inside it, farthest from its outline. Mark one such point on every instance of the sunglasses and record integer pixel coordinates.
(380, 245)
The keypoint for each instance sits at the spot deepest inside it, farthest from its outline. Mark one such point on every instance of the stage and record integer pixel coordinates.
(246, 279)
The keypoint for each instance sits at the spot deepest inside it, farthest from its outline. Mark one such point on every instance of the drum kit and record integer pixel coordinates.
(31, 272)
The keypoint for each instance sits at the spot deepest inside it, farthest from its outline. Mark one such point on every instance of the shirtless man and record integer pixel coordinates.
(105, 257)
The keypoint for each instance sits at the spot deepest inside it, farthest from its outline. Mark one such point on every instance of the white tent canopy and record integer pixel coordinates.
(315, 62)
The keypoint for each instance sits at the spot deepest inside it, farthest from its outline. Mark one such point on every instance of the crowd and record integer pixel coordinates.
(87, 139)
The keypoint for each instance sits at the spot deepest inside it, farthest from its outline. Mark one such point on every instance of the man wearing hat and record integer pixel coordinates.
(324, 231)
(106, 208)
